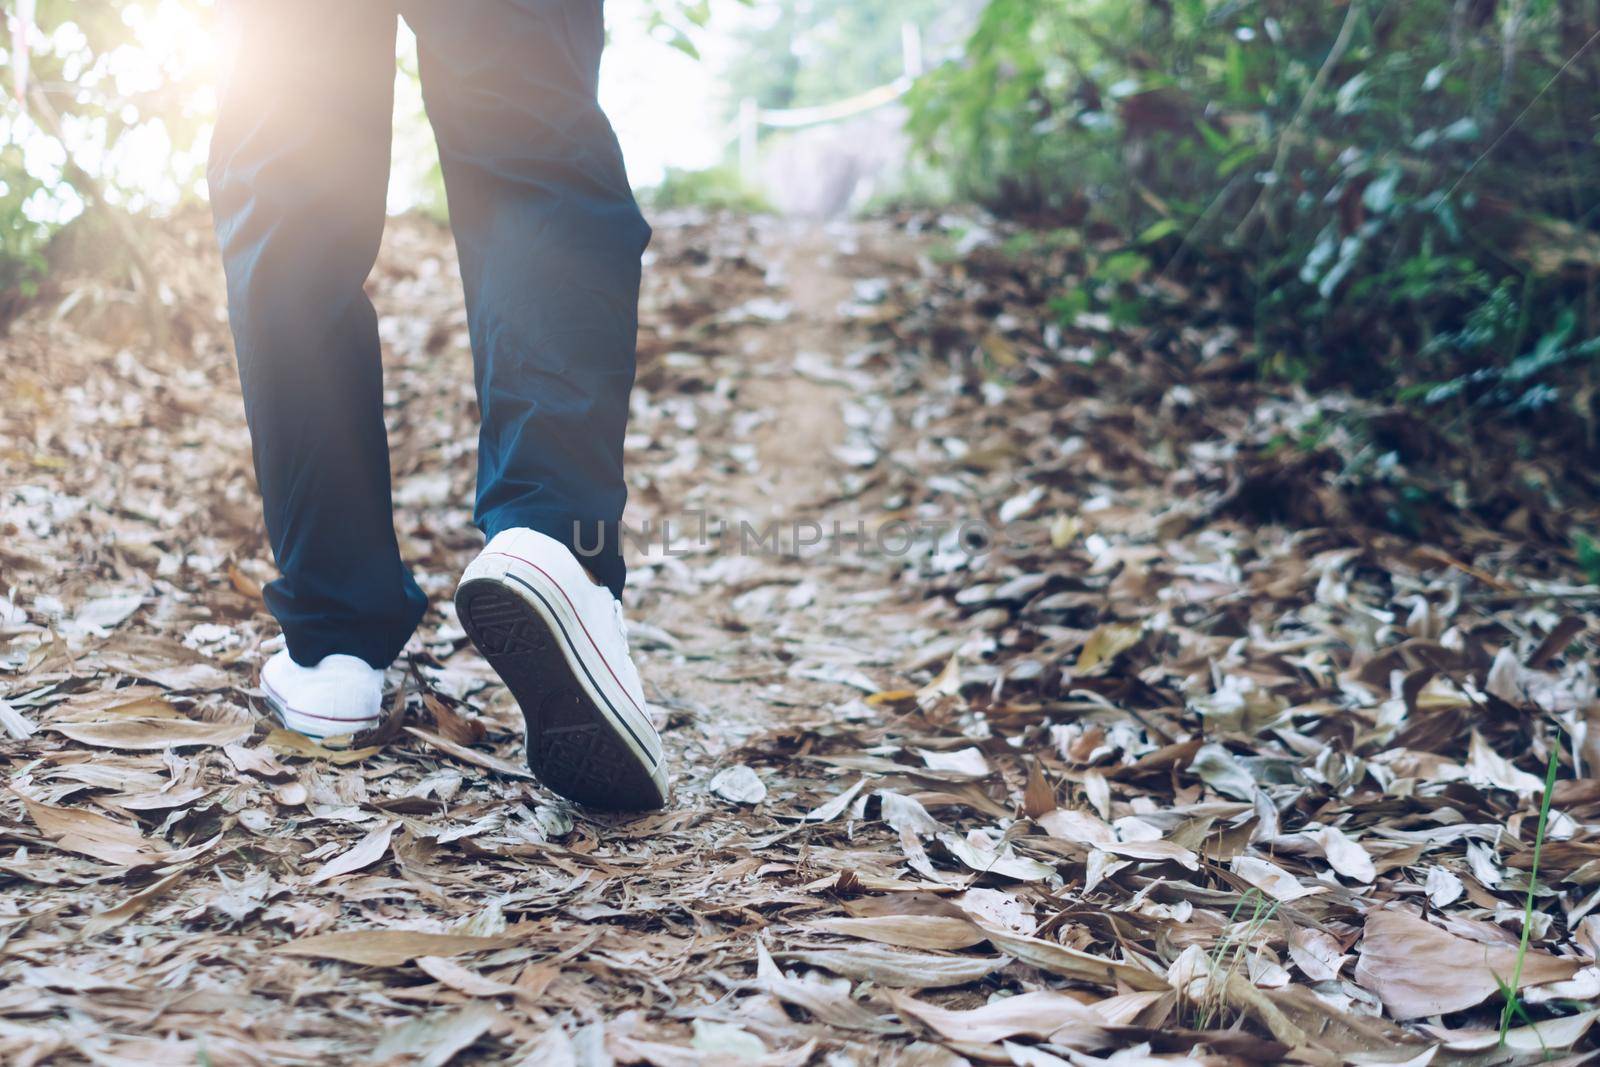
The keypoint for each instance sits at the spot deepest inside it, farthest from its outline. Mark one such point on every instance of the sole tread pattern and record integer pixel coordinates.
(572, 745)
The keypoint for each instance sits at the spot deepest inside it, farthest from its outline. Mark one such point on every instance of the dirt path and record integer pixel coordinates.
(802, 425)
(779, 620)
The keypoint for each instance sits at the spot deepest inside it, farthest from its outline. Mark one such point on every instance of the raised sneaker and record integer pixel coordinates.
(339, 697)
(559, 642)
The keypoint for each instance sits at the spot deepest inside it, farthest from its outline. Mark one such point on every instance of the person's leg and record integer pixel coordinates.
(550, 240)
(298, 172)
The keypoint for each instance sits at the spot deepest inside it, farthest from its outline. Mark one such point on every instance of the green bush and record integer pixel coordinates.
(717, 188)
(1400, 197)
(113, 114)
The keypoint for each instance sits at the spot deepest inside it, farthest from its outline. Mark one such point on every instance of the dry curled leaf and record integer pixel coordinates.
(369, 850)
(462, 979)
(1345, 855)
(739, 784)
(826, 1002)
(1273, 880)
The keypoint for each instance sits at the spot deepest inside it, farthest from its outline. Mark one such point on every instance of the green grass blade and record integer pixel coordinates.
(1513, 1005)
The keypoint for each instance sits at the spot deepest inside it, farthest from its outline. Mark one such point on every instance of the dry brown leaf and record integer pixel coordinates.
(1002, 910)
(827, 1002)
(535, 978)
(906, 931)
(1098, 791)
(388, 948)
(739, 784)
(1316, 953)
(435, 1040)
(1080, 827)
(1346, 856)
(899, 970)
(1038, 797)
(369, 850)
(117, 914)
(157, 800)
(257, 761)
(96, 836)
(829, 810)
(1041, 1014)
(1273, 880)
(290, 794)
(1417, 969)
(15, 724)
(979, 854)
(1487, 767)
(946, 683)
(135, 735)
(1334, 1029)
(1126, 1009)
(967, 762)
(452, 725)
(463, 980)
(245, 585)
(1538, 1039)
(1077, 826)
(1071, 963)
(471, 755)
(1239, 992)
(1159, 851)
(1107, 643)
(1311, 671)
(289, 743)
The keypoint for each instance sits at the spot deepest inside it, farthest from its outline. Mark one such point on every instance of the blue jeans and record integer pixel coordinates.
(549, 239)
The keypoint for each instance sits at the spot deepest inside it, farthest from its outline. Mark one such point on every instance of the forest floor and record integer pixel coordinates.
(1038, 694)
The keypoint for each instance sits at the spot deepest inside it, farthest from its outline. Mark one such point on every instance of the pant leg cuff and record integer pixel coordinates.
(311, 638)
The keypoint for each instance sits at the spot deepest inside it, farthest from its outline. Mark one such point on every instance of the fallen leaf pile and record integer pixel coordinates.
(1033, 698)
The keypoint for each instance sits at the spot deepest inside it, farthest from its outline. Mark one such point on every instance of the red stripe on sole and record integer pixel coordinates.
(575, 615)
(283, 702)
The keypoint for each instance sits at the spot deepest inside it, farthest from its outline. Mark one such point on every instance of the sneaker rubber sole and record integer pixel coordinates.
(576, 746)
(316, 727)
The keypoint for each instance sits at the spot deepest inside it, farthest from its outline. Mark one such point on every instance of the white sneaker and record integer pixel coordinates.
(559, 643)
(340, 696)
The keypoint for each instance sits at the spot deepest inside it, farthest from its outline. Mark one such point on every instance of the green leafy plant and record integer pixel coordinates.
(717, 188)
(104, 81)
(1402, 198)
(1587, 550)
(98, 99)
